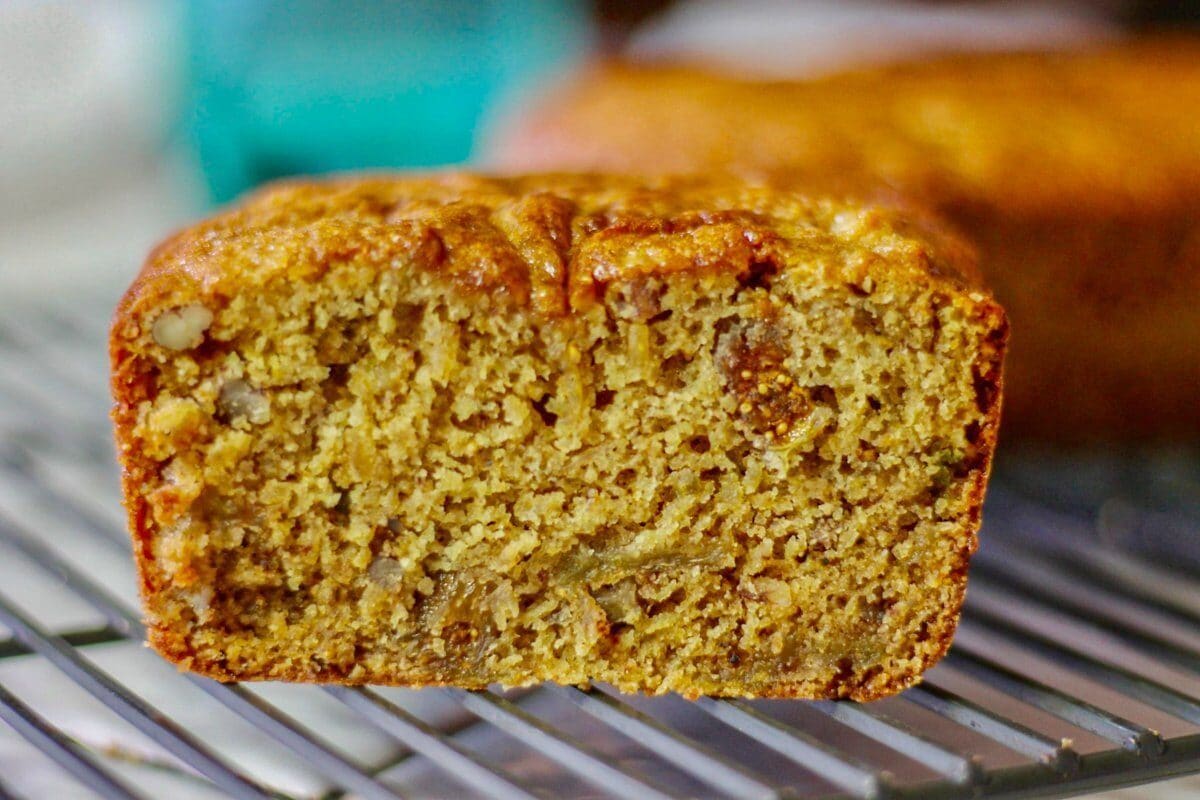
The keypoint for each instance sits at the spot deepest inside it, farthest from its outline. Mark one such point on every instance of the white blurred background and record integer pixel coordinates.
(90, 171)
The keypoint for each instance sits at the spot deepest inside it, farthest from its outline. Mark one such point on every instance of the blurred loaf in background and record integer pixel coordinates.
(1076, 171)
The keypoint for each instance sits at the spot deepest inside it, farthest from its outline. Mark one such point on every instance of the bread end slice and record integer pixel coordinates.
(670, 435)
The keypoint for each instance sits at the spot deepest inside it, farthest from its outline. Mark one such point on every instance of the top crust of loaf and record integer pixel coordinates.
(548, 242)
(1110, 124)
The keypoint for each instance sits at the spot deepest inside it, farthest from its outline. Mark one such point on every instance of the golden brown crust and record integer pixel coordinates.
(513, 237)
(550, 244)
(1076, 173)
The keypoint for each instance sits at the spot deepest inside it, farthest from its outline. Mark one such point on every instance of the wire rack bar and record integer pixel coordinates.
(73, 361)
(1080, 713)
(1101, 771)
(16, 464)
(1060, 536)
(1115, 677)
(11, 648)
(432, 744)
(1076, 587)
(126, 704)
(66, 753)
(118, 617)
(843, 770)
(993, 597)
(556, 745)
(701, 762)
(904, 740)
(1058, 755)
(27, 392)
(1144, 626)
(285, 730)
(77, 483)
(1167, 589)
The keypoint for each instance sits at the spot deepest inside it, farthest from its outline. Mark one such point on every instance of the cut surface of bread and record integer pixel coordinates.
(1076, 174)
(451, 430)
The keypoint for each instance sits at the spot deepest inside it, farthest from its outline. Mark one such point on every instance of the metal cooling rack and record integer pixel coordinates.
(1077, 665)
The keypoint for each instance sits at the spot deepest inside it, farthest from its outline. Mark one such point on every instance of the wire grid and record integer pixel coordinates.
(1075, 668)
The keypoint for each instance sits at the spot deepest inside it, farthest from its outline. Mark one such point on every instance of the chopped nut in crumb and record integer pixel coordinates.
(182, 328)
(386, 572)
(239, 400)
(771, 590)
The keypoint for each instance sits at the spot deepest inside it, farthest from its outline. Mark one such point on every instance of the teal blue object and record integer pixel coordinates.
(311, 86)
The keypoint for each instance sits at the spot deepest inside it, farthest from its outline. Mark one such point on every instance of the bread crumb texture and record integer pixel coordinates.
(671, 435)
